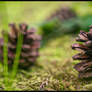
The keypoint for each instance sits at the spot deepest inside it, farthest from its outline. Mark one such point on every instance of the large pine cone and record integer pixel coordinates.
(85, 66)
(30, 46)
(63, 13)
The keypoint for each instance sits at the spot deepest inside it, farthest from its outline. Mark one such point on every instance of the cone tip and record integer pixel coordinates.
(11, 24)
(90, 28)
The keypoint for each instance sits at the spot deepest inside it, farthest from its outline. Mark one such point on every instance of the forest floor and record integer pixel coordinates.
(54, 68)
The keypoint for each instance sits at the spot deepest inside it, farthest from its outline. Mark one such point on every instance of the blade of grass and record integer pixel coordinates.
(4, 16)
(3, 8)
(17, 57)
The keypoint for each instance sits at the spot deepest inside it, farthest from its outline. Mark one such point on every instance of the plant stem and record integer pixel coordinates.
(17, 57)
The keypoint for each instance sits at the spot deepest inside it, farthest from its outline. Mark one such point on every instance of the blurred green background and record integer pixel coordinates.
(54, 68)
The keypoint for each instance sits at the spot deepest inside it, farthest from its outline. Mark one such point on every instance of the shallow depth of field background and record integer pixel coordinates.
(54, 67)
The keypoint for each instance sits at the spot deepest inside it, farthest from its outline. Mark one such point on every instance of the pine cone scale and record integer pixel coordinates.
(85, 75)
(83, 66)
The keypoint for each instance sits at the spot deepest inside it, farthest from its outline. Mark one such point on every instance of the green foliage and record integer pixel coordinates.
(86, 22)
(48, 27)
(55, 28)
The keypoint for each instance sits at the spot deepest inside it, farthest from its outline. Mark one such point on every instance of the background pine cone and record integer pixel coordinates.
(63, 13)
(85, 66)
(30, 46)
(63, 20)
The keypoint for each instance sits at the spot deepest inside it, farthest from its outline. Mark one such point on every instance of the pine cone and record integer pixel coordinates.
(63, 13)
(30, 46)
(85, 66)
(63, 20)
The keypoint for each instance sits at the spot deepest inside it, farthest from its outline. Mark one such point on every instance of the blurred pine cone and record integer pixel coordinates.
(63, 21)
(63, 13)
(30, 46)
(85, 66)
